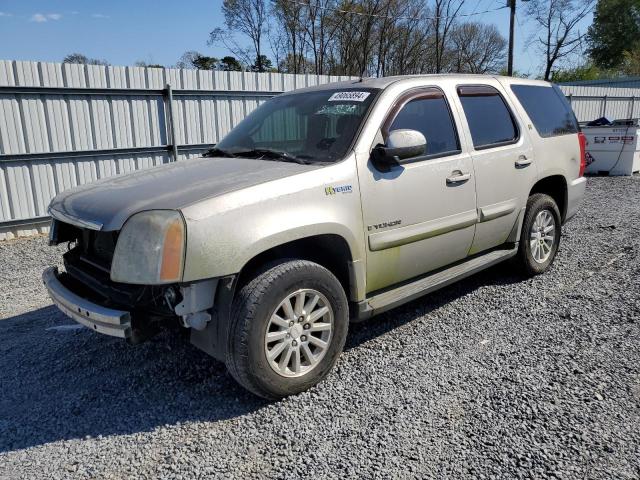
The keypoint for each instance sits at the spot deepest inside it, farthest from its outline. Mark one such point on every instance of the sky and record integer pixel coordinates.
(160, 31)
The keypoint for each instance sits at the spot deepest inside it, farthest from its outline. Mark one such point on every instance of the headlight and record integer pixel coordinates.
(150, 249)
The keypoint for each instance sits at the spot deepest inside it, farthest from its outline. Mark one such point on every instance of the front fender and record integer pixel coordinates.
(225, 233)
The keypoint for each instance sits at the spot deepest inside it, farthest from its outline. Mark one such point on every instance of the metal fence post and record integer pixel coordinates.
(171, 125)
(632, 107)
(603, 113)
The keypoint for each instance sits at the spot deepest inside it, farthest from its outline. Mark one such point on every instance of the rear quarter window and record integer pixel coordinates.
(548, 110)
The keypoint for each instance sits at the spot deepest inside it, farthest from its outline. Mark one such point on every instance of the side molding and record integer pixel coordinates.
(420, 231)
(497, 210)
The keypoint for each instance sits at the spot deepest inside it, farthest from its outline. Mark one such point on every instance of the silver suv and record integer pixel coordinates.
(327, 204)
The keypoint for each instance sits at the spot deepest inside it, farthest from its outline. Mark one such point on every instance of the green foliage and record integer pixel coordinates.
(615, 29)
(229, 63)
(193, 59)
(262, 64)
(142, 63)
(516, 74)
(83, 59)
(203, 62)
(582, 72)
(631, 63)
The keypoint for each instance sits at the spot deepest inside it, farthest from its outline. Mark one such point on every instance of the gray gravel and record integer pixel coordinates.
(492, 377)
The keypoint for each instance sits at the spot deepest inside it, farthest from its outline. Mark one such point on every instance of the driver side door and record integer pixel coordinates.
(421, 215)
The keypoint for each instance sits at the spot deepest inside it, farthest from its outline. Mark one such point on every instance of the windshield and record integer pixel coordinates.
(315, 126)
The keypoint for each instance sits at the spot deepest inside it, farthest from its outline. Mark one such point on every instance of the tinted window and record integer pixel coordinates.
(431, 117)
(489, 119)
(318, 125)
(549, 112)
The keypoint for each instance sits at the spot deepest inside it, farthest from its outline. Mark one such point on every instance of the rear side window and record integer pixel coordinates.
(429, 114)
(488, 116)
(547, 109)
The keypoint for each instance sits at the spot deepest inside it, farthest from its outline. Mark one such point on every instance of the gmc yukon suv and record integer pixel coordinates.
(326, 204)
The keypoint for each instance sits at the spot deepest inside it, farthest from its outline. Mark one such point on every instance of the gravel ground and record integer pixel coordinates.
(494, 377)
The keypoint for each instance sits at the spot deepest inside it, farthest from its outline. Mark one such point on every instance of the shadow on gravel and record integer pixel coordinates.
(62, 384)
(501, 274)
(70, 383)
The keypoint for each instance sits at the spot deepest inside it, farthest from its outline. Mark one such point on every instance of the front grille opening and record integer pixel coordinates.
(97, 248)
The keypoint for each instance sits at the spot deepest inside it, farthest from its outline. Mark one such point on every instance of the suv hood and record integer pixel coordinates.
(107, 204)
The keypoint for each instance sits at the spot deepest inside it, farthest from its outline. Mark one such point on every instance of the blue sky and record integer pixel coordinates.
(159, 31)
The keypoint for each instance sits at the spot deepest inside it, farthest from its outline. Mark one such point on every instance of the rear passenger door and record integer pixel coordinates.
(503, 161)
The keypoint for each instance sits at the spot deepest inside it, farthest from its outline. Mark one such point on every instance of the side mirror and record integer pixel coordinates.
(401, 145)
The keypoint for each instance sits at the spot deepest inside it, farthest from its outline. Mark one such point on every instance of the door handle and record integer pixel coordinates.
(523, 161)
(458, 177)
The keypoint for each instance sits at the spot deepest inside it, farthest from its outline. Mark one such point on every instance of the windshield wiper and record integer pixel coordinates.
(217, 152)
(266, 153)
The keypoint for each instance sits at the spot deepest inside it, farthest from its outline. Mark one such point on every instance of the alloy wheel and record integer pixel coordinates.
(299, 333)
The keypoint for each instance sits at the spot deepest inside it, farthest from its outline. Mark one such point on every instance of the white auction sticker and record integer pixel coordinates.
(349, 96)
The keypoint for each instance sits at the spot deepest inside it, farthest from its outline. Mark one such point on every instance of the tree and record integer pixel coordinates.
(290, 36)
(587, 71)
(229, 63)
(262, 63)
(187, 58)
(615, 29)
(142, 63)
(196, 60)
(445, 13)
(631, 63)
(83, 59)
(203, 62)
(248, 17)
(516, 74)
(298, 64)
(192, 59)
(558, 21)
(478, 48)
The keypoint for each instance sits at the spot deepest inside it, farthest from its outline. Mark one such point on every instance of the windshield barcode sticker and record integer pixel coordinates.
(349, 96)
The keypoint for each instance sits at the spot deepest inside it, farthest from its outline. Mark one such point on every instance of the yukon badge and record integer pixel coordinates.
(382, 225)
(338, 189)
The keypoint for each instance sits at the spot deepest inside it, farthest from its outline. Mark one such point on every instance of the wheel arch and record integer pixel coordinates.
(556, 187)
(330, 250)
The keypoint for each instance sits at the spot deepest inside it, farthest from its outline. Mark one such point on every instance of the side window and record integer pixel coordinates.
(429, 114)
(489, 118)
(547, 109)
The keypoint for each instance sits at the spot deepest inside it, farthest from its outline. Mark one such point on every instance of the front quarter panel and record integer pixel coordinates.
(225, 232)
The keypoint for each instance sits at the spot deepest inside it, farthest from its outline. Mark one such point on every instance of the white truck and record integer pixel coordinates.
(324, 205)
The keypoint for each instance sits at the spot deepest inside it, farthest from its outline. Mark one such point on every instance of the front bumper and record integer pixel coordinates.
(116, 323)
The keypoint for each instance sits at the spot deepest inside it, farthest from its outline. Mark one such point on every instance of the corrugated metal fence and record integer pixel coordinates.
(590, 103)
(63, 125)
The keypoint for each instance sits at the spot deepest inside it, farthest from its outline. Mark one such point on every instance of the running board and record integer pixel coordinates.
(410, 291)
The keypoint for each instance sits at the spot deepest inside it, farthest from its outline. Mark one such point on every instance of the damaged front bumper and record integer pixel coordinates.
(116, 323)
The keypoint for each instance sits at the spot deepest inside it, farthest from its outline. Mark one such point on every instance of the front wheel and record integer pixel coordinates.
(288, 328)
(540, 235)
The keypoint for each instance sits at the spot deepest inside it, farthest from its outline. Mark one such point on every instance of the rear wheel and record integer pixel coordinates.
(540, 236)
(288, 328)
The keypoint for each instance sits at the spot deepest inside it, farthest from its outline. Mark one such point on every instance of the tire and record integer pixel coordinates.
(531, 259)
(255, 308)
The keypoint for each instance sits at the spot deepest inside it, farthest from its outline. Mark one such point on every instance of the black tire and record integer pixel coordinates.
(525, 259)
(253, 306)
